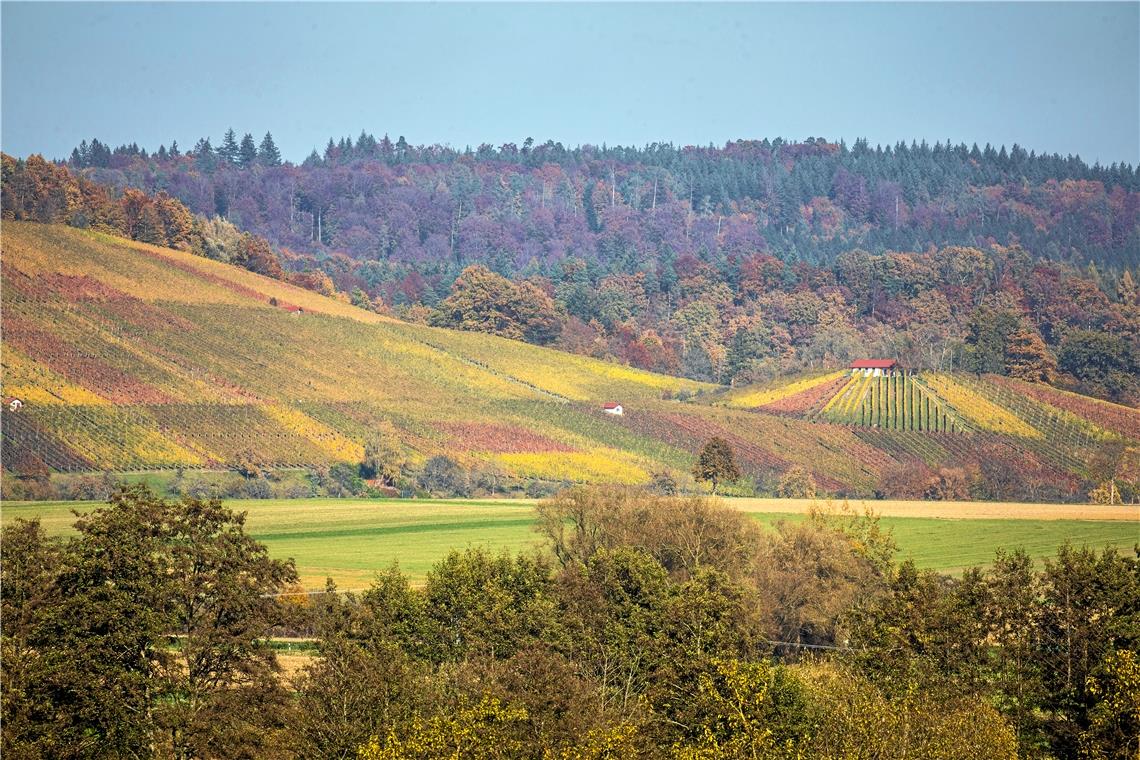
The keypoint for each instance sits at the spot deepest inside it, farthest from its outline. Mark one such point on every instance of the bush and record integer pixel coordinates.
(796, 483)
(664, 484)
(443, 476)
(257, 488)
(345, 480)
(540, 489)
(91, 487)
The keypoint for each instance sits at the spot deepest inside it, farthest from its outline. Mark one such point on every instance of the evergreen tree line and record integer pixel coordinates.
(645, 627)
(808, 200)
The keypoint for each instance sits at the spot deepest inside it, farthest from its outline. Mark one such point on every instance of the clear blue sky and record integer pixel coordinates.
(1052, 77)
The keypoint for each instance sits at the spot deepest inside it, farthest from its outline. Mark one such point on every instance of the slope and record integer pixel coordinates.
(1003, 428)
(132, 357)
(128, 356)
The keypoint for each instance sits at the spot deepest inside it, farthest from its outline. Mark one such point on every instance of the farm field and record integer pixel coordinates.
(349, 540)
(129, 357)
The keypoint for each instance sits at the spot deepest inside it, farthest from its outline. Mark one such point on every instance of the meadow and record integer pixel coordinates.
(349, 540)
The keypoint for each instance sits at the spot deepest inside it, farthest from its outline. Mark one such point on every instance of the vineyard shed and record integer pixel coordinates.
(612, 408)
(874, 367)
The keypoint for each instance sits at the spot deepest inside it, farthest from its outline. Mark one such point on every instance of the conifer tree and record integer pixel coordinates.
(228, 150)
(268, 154)
(247, 153)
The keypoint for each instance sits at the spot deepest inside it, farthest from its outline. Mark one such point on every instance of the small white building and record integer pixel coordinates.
(612, 408)
(874, 367)
(14, 404)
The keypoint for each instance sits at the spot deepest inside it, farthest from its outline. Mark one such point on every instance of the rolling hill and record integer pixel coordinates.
(127, 356)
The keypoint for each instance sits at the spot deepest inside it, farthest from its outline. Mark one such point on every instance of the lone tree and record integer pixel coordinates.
(716, 463)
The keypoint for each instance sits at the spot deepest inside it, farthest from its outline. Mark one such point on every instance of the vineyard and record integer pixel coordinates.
(129, 357)
(941, 419)
(891, 402)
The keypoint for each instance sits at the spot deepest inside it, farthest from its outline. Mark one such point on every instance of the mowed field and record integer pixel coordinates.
(350, 540)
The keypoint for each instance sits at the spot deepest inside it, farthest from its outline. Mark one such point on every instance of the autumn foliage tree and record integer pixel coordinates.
(483, 301)
(1028, 358)
(716, 463)
(87, 627)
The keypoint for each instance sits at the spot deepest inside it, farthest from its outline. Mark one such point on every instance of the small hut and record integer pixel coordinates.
(874, 367)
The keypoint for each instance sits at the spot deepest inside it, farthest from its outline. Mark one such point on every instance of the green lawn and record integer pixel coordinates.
(351, 540)
(953, 545)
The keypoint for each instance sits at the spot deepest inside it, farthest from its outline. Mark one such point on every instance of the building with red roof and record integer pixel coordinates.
(874, 367)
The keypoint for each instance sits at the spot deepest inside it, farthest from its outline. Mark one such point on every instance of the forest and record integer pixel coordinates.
(646, 626)
(732, 265)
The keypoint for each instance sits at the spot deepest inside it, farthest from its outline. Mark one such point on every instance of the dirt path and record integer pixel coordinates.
(956, 510)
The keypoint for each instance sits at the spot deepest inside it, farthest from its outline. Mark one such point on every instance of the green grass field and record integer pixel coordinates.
(350, 540)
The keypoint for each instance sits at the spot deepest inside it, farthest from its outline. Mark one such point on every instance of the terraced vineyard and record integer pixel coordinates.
(941, 419)
(891, 402)
(130, 357)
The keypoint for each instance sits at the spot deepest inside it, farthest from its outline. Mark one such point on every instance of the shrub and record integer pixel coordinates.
(443, 475)
(257, 488)
(664, 484)
(344, 480)
(797, 483)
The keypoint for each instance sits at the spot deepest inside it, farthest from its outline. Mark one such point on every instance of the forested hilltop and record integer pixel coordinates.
(727, 264)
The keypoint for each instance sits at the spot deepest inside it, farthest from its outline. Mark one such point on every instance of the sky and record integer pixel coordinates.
(1052, 77)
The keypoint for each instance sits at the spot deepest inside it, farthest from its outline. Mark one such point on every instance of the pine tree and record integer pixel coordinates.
(247, 154)
(229, 147)
(204, 155)
(268, 154)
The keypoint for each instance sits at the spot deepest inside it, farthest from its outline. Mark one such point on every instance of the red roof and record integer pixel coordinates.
(611, 405)
(873, 364)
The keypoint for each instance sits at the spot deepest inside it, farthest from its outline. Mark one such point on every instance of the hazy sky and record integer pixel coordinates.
(1052, 77)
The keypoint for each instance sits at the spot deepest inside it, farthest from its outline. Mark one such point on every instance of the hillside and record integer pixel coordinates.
(678, 287)
(940, 427)
(128, 356)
